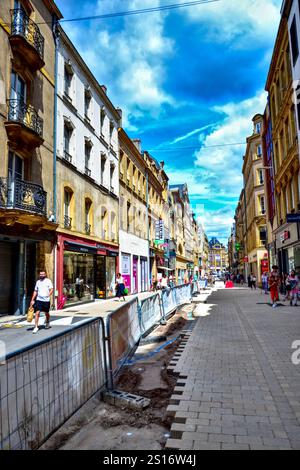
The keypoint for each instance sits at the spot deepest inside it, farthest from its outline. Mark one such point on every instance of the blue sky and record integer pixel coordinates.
(188, 81)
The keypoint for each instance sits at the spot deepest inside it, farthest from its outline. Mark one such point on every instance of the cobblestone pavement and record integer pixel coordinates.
(237, 387)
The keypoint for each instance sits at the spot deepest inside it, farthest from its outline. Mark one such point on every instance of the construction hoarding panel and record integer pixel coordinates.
(43, 386)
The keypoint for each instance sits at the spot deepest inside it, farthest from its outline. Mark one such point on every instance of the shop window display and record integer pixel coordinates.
(78, 277)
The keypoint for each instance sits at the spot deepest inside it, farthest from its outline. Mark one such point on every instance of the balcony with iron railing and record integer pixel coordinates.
(26, 40)
(16, 194)
(24, 127)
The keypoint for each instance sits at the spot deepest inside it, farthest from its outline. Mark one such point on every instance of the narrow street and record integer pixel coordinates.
(240, 389)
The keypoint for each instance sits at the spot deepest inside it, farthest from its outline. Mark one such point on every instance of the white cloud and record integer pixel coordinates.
(129, 58)
(240, 23)
(221, 165)
(217, 174)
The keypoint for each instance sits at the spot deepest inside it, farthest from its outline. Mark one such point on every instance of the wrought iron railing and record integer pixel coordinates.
(25, 114)
(87, 229)
(22, 25)
(67, 222)
(19, 194)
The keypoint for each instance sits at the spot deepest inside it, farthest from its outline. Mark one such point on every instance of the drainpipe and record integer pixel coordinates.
(56, 42)
(148, 229)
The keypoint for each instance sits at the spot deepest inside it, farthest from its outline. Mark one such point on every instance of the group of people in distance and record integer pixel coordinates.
(287, 284)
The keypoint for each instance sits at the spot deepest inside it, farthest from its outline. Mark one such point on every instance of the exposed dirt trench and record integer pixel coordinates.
(100, 426)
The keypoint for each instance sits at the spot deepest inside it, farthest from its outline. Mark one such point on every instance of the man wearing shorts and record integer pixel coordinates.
(41, 300)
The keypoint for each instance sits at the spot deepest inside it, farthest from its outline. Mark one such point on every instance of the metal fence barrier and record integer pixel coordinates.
(150, 312)
(168, 300)
(42, 386)
(123, 334)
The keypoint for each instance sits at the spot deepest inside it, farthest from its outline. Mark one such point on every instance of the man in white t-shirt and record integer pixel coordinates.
(41, 300)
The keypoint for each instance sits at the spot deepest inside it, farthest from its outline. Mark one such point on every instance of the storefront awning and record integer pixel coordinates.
(165, 269)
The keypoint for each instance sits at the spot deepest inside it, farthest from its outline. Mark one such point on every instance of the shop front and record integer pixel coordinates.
(181, 272)
(258, 263)
(21, 260)
(86, 270)
(134, 255)
(288, 248)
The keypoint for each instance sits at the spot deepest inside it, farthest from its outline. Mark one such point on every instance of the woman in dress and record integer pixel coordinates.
(294, 281)
(120, 287)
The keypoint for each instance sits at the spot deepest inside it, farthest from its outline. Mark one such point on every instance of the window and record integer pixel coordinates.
(113, 226)
(87, 157)
(103, 163)
(102, 119)
(67, 208)
(128, 217)
(258, 128)
(294, 41)
(292, 195)
(112, 172)
(111, 129)
(261, 176)
(68, 80)
(87, 214)
(18, 88)
(68, 131)
(259, 151)
(104, 224)
(263, 235)
(87, 102)
(262, 205)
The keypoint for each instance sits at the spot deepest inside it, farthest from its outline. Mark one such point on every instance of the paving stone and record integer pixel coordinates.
(221, 438)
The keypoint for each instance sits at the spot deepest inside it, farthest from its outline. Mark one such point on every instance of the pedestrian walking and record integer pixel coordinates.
(79, 286)
(164, 282)
(264, 282)
(249, 281)
(275, 273)
(294, 282)
(120, 287)
(253, 281)
(40, 300)
(287, 287)
(273, 284)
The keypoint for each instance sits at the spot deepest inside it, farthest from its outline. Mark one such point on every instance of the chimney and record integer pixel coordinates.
(162, 164)
(138, 144)
(104, 88)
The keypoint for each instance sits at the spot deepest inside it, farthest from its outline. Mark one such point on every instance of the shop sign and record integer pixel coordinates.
(126, 264)
(286, 235)
(264, 266)
(160, 230)
(79, 248)
(112, 253)
(291, 218)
